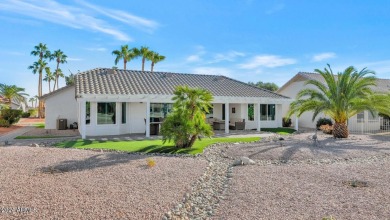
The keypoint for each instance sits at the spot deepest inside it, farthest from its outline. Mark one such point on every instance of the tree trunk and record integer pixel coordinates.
(124, 64)
(49, 86)
(56, 80)
(151, 67)
(192, 141)
(340, 130)
(143, 63)
(40, 94)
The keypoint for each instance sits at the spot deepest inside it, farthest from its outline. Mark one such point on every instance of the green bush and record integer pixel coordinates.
(324, 121)
(11, 115)
(25, 114)
(33, 112)
(286, 122)
(4, 123)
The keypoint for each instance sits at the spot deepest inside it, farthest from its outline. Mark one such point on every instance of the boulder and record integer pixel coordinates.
(243, 161)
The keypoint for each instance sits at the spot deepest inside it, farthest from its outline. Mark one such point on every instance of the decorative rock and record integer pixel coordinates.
(34, 145)
(243, 161)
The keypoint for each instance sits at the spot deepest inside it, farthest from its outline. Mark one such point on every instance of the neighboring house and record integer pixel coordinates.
(15, 104)
(112, 102)
(362, 120)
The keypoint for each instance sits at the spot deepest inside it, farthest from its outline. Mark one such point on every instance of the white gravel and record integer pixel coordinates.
(294, 179)
(79, 184)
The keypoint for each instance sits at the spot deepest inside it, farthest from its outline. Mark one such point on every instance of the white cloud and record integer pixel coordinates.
(323, 56)
(198, 55)
(193, 58)
(212, 71)
(269, 61)
(97, 49)
(74, 59)
(229, 56)
(77, 17)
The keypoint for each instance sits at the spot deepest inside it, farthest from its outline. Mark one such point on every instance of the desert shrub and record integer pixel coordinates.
(151, 162)
(323, 121)
(11, 115)
(327, 129)
(4, 123)
(25, 114)
(33, 112)
(287, 122)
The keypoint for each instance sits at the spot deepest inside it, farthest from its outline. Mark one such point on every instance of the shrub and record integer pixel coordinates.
(286, 122)
(11, 115)
(151, 163)
(25, 114)
(324, 121)
(4, 123)
(33, 112)
(327, 129)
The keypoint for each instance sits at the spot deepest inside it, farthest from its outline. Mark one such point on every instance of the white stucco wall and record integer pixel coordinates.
(61, 105)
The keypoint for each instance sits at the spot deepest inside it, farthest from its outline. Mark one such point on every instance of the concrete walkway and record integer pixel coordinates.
(13, 134)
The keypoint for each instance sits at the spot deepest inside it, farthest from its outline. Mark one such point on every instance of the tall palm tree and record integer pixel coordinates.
(341, 97)
(32, 100)
(49, 77)
(155, 58)
(125, 54)
(42, 52)
(13, 93)
(60, 58)
(145, 53)
(36, 100)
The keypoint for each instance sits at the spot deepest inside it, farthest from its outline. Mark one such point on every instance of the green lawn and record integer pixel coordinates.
(282, 131)
(150, 146)
(39, 125)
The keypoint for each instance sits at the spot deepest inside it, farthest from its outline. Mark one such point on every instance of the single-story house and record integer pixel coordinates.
(363, 120)
(15, 104)
(112, 102)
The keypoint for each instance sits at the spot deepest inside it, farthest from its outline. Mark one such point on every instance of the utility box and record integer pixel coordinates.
(61, 124)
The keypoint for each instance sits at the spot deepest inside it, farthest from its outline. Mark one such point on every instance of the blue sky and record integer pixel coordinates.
(244, 39)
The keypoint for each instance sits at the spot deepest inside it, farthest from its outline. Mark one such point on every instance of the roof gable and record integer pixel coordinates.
(130, 82)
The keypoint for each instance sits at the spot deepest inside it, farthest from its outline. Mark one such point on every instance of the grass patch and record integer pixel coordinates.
(150, 146)
(282, 131)
(38, 137)
(39, 125)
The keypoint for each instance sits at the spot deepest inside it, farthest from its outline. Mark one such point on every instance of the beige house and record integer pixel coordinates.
(363, 120)
(112, 102)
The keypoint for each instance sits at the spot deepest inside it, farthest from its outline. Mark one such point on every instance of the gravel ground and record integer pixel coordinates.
(296, 179)
(52, 132)
(49, 183)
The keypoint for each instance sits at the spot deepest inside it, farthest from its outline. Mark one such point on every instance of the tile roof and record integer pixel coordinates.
(383, 85)
(131, 82)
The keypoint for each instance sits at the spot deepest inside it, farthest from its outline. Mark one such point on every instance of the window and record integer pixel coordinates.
(251, 112)
(360, 117)
(87, 113)
(267, 112)
(370, 117)
(106, 113)
(223, 111)
(124, 112)
(159, 111)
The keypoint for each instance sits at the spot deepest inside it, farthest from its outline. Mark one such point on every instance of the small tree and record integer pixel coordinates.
(186, 122)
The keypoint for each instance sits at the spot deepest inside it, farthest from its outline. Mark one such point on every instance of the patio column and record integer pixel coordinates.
(227, 118)
(147, 124)
(82, 110)
(296, 122)
(257, 113)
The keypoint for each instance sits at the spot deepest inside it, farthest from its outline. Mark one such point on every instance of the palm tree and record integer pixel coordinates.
(60, 57)
(145, 53)
(42, 52)
(155, 58)
(49, 77)
(126, 54)
(32, 100)
(341, 97)
(13, 93)
(36, 100)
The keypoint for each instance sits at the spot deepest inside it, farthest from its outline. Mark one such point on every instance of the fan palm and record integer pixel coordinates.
(155, 58)
(32, 100)
(42, 52)
(60, 58)
(125, 54)
(341, 97)
(49, 77)
(13, 93)
(145, 53)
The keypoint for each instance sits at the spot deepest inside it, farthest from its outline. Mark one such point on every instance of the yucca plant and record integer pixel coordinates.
(341, 96)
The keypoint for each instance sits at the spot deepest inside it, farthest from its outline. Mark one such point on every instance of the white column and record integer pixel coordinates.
(258, 117)
(227, 117)
(296, 122)
(147, 126)
(82, 118)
